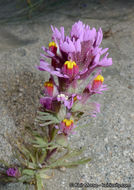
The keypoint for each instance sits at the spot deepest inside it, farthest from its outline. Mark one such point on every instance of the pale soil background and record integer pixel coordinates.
(109, 139)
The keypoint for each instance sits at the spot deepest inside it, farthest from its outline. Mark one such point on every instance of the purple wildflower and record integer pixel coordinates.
(95, 86)
(51, 88)
(68, 100)
(66, 127)
(76, 56)
(13, 172)
(46, 102)
(50, 104)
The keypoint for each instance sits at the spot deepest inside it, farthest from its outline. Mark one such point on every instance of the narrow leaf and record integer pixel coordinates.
(28, 172)
(69, 164)
(25, 178)
(43, 113)
(48, 123)
(42, 158)
(39, 182)
(47, 118)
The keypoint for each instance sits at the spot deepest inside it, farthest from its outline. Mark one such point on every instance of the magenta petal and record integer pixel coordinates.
(56, 33)
(59, 74)
(46, 102)
(13, 172)
(44, 64)
(104, 51)
(99, 37)
(56, 126)
(46, 56)
(49, 52)
(82, 47)
(78, 46)
(67, 47)
(62, 33)
(105, 62)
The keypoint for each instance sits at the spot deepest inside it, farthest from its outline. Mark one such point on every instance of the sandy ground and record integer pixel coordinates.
(109, 139)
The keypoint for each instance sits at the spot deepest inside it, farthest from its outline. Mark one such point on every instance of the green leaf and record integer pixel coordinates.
(31, 165)
(62, 140)
(78, 162)
(42, 158)
(28, 172)
(25, 178)
(45, 116)
(5, 179)
(37, 156)
(40, 141)
(20, 157)
(69, 164)
(48, 123)
(44, 176)
(39, 182)
(71, 153)
(48, 118)
(26, 152)
(43, 113)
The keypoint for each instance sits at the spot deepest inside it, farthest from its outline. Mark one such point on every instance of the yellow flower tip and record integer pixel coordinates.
(99, 78)
(70, 64)
(48, 84)
(52, 44)
(75, 98)
(68, 122)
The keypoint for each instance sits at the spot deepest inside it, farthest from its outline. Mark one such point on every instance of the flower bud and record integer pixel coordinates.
(70, 68)
(53, 47)
(49, 87)
(97, 82)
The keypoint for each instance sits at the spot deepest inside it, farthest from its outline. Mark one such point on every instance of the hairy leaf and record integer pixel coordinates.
(48, 117)
(43, 156)
(28, 172)
(48, 123)
(69, 164)
(71, 153)
(40, 141)
(39, 182)
(25, 178)
(26, 152)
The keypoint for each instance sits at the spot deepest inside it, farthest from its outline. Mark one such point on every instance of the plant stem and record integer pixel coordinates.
(50, 129)
(51, 134)
(50, 154)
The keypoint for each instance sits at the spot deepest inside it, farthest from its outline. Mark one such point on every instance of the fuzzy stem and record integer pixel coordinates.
(50, 128)
(50, 154)
(51, 133)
